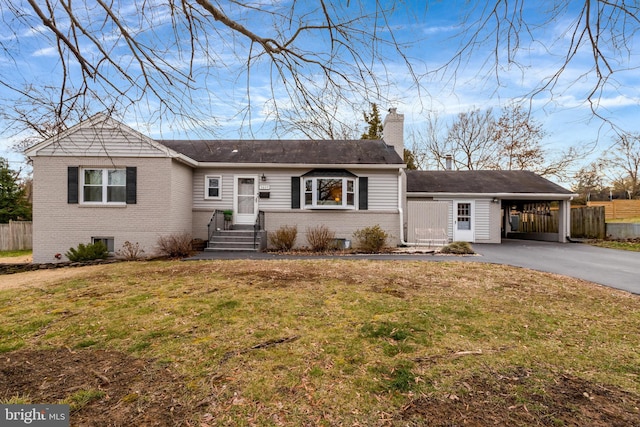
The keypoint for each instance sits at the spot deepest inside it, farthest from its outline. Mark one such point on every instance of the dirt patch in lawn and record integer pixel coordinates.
(45, 276)
(519, 398)
(107, 388)
(16, 259)
(102, 387)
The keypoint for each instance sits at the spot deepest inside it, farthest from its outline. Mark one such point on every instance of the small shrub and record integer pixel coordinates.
(90, 252)
(457, 248)
(371, 239)
(175, 245)
(130, 251)
(320, 238)
(284, 238)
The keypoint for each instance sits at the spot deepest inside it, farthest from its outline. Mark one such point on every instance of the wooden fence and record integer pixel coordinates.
(619, 208)
(546, 222)
(588, 222)
(16, 236)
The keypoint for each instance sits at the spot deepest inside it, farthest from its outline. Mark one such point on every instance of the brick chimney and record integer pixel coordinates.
(393, 131)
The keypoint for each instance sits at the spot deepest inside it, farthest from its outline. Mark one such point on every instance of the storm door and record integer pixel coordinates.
(245, 200)
(463, 223)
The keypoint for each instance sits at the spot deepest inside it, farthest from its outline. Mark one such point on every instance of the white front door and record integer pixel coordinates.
(245, 201)
(463, 223)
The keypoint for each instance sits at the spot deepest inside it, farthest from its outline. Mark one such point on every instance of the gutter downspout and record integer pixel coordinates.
(400, 210)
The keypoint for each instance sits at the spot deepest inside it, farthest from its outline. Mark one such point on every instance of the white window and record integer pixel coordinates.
(213, 187)
(104, 186)
(329, 193)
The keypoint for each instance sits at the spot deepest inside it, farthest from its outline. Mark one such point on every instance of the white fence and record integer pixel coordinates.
(16, 236)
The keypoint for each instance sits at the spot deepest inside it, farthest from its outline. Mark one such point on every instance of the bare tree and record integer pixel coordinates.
(520, 140)
(470, 141)
(175, 57)
(589, 183)
(34, 116)
(425, 143)
(476, 140)
(518, 137)
(331, 118)
(599, 33)
(560, 164)
(623, 163)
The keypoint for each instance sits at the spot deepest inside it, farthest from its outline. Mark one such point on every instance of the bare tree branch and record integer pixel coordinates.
(175, 56)
(502, 32)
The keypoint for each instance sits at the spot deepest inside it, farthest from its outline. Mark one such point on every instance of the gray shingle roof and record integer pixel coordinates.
(482, 181)
(298, 151)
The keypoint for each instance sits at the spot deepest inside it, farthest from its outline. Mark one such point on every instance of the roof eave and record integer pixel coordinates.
(167, 151)
(518, 196)
(393, 166)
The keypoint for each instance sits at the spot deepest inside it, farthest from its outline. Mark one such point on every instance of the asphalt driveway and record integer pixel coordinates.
(615, 268)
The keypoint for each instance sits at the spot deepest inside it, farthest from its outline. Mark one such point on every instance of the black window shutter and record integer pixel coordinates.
(363, 193)
(295, 192)
(132, 185)
(72, 184)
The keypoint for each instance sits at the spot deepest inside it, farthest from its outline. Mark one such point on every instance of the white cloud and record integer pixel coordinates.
(45, 52)
(434, 30)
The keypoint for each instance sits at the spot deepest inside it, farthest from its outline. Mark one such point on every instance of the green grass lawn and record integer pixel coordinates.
(612, 244)
(335, 342)
(11, 254)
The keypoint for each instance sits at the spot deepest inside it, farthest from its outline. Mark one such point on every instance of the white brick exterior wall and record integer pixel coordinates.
(163, 206)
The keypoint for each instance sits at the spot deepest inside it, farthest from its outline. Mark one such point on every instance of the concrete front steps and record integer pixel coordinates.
(237, 241)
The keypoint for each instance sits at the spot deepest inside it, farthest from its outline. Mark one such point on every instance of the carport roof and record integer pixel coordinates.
(481, 182)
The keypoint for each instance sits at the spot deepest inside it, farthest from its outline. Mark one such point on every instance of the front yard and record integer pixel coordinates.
(320, 342)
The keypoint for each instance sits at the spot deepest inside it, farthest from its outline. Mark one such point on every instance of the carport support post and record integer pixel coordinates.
(564, 220)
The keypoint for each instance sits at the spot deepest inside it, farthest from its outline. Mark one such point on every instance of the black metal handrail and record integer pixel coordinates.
(258, 226)
(214, 222)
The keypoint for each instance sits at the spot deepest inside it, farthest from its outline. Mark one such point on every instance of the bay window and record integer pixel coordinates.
(329, 192)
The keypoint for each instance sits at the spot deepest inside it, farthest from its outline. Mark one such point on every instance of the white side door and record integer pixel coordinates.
(463, 221)
(245, 199)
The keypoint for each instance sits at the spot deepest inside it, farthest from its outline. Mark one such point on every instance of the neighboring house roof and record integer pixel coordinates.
(298, 151)
(489, 182)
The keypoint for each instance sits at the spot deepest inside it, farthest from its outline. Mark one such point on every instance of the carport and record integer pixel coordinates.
(486, 206)
(532, 219)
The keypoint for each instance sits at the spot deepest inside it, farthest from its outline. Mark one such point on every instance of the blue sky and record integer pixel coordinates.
(429, 34)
